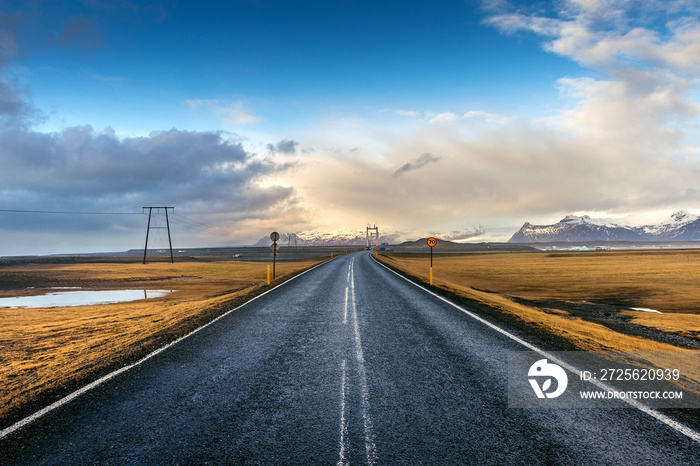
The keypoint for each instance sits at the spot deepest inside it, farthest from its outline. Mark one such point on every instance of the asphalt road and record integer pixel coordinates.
(346, 364)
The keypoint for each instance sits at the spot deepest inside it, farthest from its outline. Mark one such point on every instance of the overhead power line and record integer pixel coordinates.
(178, 219)
(68, 212)
(197, 225)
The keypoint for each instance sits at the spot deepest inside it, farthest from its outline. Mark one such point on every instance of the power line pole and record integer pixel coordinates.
(149, 228)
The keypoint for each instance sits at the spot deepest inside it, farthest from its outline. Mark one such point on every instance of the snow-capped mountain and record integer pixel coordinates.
(681, 226)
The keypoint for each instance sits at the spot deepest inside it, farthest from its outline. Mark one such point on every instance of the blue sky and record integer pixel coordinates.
(282, 60)
(422, 117)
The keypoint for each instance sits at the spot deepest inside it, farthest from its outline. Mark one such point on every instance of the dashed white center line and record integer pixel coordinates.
(370, 448)
(352, 278)
(342, 461)
(345, 314)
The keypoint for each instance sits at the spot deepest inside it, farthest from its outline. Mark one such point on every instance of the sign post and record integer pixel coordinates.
(274, 236)
(431, 242)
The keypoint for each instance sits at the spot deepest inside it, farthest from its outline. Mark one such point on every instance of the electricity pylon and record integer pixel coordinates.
(149, 228)
(372, 235)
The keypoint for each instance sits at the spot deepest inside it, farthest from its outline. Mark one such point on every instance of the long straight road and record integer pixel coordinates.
(346, 364)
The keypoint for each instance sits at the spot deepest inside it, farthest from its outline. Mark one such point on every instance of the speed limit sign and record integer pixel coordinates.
(432, 242)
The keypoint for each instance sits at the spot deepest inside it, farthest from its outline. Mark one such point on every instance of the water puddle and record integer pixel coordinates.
(645, 309)
(81, 298)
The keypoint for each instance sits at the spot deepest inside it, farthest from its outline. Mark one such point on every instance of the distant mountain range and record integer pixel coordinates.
(325, 238)
(681, 226)
(349, 237)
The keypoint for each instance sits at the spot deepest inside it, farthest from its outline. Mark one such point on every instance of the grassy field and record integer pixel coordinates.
(663, 280)
(45, 352)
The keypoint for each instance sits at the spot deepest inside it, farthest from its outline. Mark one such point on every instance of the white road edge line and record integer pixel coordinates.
(683, 429)
(67, 399)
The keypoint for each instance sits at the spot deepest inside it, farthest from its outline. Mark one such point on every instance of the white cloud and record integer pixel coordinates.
(608, 36)
(639, 109)
(490, 118)
(443, 117)
(407, 113)
(233, 112)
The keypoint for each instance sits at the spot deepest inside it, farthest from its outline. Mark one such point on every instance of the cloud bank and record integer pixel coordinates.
(624, 140)
(80, 169)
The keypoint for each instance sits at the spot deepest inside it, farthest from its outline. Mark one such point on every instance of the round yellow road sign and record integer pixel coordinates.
(432, 242)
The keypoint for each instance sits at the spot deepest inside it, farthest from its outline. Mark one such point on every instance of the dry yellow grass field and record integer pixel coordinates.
(663, 280)
(46, 351)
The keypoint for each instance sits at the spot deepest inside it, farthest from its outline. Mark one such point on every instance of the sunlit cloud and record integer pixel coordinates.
(621, 143)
